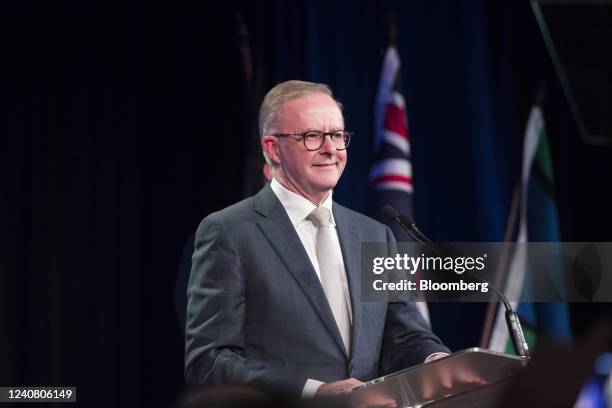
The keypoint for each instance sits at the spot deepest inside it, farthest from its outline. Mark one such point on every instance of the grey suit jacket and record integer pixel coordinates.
(257, 313)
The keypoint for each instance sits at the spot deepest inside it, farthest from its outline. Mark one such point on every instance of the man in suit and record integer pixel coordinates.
(274, 298)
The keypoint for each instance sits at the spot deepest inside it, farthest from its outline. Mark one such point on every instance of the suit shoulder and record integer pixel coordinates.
(234, 214)
(360, 218)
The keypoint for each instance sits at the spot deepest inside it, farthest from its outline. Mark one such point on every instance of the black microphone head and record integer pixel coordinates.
(407, 220)
(390, 212)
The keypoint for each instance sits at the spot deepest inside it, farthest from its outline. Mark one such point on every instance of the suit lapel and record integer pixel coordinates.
(350, 243)
(277, 228)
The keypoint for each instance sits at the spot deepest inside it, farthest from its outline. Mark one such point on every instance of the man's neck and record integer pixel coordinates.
(316, 199)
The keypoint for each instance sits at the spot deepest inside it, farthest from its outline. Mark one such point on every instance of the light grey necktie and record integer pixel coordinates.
(329, 267)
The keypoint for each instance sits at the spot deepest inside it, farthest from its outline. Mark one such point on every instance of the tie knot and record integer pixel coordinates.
(320, 216)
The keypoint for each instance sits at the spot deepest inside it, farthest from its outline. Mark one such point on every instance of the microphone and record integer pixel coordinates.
(393, 215)
(512, 320)
(409, 226)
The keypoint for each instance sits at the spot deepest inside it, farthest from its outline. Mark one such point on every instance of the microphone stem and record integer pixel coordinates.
(517, 336)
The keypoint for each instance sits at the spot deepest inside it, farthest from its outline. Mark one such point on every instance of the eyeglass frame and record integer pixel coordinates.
(302, 136)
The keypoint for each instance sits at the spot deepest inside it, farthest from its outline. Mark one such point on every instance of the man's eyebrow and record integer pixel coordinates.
(317, 130)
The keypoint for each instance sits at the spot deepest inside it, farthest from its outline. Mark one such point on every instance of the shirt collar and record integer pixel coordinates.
(298, 207)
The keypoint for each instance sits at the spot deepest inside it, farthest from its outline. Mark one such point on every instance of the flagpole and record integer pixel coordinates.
(487, 330)
(392, 31)
(492, 306)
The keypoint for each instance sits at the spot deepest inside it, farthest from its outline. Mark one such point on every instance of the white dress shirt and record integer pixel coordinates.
(298, 208)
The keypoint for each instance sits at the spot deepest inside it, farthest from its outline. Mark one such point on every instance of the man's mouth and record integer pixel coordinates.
(325, 165)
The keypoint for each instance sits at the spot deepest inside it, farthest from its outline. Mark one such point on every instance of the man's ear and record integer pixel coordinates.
(269, 144)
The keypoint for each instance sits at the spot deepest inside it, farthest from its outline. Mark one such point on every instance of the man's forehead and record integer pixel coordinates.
(319, 111)
(312, 108)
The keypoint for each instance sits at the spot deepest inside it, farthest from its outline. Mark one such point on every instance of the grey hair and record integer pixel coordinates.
(281, 93)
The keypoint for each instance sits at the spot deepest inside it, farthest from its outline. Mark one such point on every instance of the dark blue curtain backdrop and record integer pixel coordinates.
(466, 133)
(460, 95)
(126, 124)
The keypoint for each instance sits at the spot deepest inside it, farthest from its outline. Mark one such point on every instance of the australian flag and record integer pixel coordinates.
(390, 179)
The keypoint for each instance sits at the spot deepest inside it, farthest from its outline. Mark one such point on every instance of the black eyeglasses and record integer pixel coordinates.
(314, 139)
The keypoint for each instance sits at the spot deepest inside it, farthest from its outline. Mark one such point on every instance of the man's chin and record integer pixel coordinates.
(325, 186)
(326, 176)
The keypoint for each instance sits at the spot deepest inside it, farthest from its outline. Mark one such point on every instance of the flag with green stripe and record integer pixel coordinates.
(538, 222)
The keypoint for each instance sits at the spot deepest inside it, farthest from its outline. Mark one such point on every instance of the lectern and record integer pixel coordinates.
(469, 378)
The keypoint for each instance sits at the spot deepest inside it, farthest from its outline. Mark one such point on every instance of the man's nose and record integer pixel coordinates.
(329, 147)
